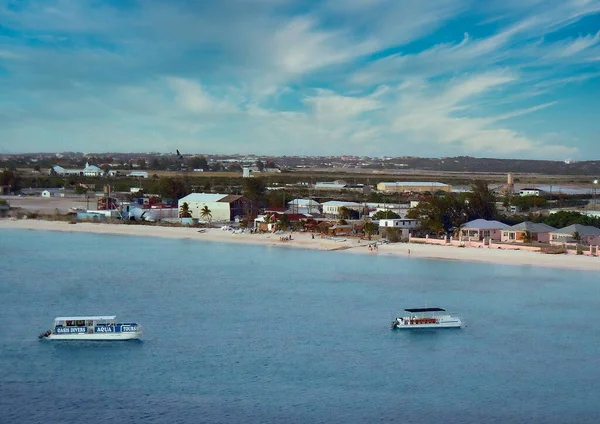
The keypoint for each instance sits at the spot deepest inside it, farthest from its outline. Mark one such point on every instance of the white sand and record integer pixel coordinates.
(304, 240)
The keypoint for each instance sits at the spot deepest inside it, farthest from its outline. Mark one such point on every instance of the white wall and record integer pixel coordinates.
(219, 210)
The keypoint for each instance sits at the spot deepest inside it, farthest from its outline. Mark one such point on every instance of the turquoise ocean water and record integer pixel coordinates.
(252, 334)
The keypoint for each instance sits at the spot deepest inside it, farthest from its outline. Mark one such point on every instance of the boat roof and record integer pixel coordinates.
(86, 318)
(425, 310)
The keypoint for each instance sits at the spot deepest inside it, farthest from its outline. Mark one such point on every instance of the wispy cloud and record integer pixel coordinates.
(353, 76)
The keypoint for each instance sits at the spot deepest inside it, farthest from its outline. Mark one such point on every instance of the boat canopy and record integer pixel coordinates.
(87, 318)
(416, 310)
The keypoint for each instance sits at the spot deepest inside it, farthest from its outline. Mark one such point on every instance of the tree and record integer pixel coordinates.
(255, 190)
(154, 164)
(344, 213)
(527, 237)
(440, 214)
(141, 163)
(10, 178)
(260, 165)
(170, 188)
(481, 202)
(284, 222)
(577, 237)
(386, 214)
(370, 228)
(198, 162)
(206, 213)
(184, 211)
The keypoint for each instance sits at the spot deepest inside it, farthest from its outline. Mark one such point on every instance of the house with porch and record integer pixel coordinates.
(538, 232)
(402, 226)
(588, 235)
(331, 209)
(482, 229)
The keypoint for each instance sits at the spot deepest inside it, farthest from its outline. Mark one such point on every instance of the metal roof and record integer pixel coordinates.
(340, 203)
(425, 310)
(583, 230)
(532, 227)
(484, 224)
(86, 318)
(415, 183)
(203, 197)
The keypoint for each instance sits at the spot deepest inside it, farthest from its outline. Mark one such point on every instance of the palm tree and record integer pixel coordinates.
(577, 237)
(184, 211)
(206, 213)
(527, 237)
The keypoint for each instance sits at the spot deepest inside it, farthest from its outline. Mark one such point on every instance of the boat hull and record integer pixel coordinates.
(133, 335)
(428, 326)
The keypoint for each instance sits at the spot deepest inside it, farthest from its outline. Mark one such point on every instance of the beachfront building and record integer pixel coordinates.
(271, 221)
(304, 206)
(403, 226)
(331, 209)
(480, 229)
(223, 207)
(588, 235)
(413, 187)
(537, 232)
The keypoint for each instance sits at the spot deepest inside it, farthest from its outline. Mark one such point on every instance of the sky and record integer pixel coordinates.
(434, 78)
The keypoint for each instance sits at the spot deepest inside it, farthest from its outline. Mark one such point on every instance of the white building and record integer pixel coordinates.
(332, 185)
(305, 206)
(529, 192)
(331, 209)
(53, 192)
(399, 208)
(402, 226)
(88, 171)
(138, 174)
(223, 207)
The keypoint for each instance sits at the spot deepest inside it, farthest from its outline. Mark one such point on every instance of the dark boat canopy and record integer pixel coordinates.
(415, 310)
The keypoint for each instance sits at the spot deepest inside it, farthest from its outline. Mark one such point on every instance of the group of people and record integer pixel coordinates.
(285, 238)
(373, 246)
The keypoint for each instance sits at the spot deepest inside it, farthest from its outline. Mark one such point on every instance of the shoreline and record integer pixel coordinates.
(305, 241)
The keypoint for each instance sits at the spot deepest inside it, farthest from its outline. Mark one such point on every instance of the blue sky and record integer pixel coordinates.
(494, 78)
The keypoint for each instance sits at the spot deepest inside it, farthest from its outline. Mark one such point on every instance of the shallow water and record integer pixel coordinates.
(237, 333)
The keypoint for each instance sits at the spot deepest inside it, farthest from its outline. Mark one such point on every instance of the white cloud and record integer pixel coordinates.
(434, 118)
(268, 77)
(192, 97)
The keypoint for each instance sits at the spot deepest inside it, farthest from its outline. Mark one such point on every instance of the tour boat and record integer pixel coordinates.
(91, 328)
(426, 318)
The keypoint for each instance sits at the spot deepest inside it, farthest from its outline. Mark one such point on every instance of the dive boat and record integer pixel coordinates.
(91, 328)
(426, 318)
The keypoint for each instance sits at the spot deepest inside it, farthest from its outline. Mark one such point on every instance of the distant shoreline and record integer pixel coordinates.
(305, 241)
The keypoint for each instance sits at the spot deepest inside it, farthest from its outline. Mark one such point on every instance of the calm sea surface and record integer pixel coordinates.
(251, 334)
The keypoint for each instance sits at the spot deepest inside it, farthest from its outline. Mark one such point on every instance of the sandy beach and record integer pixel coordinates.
(305, 241)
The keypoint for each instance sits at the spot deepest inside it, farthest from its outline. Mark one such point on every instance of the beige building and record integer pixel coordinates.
(223, 207)
(413, 186)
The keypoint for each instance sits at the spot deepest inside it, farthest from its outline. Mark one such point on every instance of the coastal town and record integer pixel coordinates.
(405, 216)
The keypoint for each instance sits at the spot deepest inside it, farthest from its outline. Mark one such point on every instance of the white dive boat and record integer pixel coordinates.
(91, 328)
(426, 318)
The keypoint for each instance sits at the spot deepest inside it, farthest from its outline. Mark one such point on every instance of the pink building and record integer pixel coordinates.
(481, 229)
(588, 235)
(538, 232)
